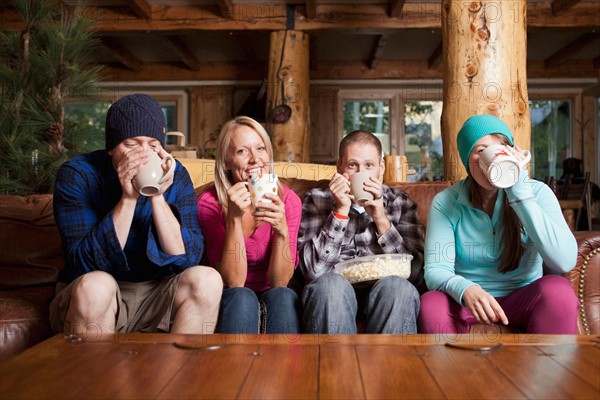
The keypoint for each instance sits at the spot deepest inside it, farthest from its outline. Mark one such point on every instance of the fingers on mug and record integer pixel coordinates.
(152, 176)
(500, 167)
(357, 186)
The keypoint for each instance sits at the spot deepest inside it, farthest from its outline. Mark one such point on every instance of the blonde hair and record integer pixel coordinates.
(223, 177)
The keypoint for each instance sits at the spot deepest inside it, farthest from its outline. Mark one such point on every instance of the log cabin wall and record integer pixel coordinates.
(188, 45)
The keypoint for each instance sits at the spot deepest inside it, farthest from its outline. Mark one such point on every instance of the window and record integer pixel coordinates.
(372, 116)
(423, 140)
(372, 110)
(550, 136)
(407, 120)
(92, 115)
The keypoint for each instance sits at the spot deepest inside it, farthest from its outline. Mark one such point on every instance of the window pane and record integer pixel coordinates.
(170, 111)
(423, 140)
(89, 119)
(550, 136)
(372, 116)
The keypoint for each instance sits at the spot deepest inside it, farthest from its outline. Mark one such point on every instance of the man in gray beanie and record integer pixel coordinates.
(131, 261)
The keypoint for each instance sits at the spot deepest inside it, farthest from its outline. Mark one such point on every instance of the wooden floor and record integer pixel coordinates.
(164, 366)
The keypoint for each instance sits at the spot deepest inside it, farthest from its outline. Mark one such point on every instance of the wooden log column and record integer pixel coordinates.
(290, 69)
(485, 50)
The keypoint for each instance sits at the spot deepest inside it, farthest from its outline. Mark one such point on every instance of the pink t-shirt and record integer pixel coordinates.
(258, 245)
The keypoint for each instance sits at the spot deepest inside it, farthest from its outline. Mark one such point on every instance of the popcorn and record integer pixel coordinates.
(377, 267)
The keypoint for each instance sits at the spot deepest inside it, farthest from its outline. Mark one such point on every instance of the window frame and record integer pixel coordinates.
(372, 95)
(113, 92)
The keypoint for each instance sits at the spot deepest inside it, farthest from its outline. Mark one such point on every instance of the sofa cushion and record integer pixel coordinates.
(30, 245)
(24, 319)
(422, 193)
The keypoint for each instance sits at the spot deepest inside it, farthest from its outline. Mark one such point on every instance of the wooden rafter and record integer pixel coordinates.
(311, 9)
(226, 7)
(330, 70)
(560, 7)
(142, 8)
(268, 16)
(435, 58)
(246, 48)
(122, 54)
(377, 51)
(563, 54)
(183, 52)
(396, 8)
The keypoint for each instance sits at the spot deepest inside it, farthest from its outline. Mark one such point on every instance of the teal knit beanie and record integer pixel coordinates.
(474, 129)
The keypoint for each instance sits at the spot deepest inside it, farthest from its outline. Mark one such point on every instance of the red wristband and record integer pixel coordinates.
(340, 216)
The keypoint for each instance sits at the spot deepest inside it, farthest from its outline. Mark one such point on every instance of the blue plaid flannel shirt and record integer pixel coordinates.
(86, 191)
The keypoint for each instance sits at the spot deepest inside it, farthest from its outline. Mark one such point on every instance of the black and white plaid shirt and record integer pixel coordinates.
(325, 240)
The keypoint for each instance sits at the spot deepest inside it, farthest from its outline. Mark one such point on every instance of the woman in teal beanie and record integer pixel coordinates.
(485, 248)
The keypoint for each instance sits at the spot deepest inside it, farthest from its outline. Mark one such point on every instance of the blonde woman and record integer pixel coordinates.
(253, 250)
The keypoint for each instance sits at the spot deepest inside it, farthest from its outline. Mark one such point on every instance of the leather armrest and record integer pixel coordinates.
(585, 278)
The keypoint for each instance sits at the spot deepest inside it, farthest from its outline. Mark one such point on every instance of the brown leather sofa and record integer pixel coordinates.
(31, 256)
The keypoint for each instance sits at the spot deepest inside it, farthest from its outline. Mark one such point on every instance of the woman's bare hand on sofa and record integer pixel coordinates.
(484, 306)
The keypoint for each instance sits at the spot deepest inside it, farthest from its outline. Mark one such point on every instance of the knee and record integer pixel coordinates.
(281, 295)
(328, 287)
(556, 290)
(95, 289)
(240, 296)
(433, 300)
(202, 283)
(394, 286)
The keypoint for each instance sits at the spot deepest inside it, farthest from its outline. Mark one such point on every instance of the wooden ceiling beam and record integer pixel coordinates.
(560, 7)
(226, 7)
(183, 52)
(141, 8)
(311, 8)
(435, 58)
(563, 54)
(331, 70)
(122, 54)
(596, 62)
(396, 8)
(377, 51)
(268, 16)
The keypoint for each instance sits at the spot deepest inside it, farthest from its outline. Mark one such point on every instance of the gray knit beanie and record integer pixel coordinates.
(134, 115)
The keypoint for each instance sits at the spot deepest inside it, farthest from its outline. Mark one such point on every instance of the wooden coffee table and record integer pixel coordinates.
(168, 366)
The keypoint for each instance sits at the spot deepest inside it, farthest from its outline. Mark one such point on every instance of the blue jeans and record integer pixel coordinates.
(331, 303)
(241, 311)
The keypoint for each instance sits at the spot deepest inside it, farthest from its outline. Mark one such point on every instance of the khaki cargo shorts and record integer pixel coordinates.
(141, 306)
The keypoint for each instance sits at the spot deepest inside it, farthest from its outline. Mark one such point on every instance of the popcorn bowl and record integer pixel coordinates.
(365, 271)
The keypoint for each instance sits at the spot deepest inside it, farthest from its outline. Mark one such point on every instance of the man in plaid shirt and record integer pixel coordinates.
(131, 261)
(335, 229)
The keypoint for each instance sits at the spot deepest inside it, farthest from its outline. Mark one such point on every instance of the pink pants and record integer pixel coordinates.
(547, 305)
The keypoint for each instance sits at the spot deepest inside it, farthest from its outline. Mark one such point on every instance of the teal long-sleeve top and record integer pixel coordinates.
(462, 242)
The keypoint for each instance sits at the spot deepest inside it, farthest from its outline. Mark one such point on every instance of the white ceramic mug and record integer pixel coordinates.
(260, 184)
(357, 182)
(151, 177)
(500, 167)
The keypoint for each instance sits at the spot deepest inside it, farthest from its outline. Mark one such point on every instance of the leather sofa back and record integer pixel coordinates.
(30, 246)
